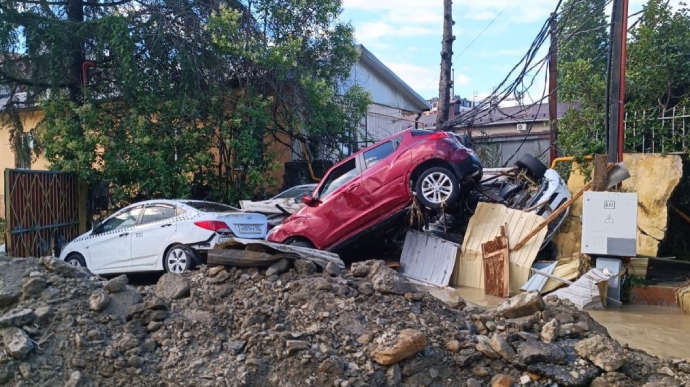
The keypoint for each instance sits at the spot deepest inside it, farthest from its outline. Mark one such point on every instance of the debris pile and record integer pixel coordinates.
(367, 326)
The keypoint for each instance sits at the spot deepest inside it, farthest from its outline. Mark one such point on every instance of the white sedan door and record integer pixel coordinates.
(151, 236)
(109, 247)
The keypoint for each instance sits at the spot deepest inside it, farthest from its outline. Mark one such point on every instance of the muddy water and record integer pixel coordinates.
(657, 330)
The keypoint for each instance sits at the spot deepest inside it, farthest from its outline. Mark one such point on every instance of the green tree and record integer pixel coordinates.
(181, 92)
(583, 43)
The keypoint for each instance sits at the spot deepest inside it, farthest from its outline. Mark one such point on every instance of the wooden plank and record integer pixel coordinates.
(495, 254)
(319, 257)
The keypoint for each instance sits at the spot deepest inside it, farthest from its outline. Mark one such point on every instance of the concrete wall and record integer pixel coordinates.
(7, 156)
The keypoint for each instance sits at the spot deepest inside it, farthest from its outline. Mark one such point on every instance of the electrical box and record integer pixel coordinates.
(609, 223)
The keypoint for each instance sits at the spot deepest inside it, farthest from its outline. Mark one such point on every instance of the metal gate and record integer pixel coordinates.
(43, 209)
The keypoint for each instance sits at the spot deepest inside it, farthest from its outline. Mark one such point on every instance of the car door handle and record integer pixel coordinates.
(124, 234)
(166, 225)
(353, 187)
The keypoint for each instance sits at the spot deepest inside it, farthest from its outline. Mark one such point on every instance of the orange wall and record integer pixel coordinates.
(7, 155)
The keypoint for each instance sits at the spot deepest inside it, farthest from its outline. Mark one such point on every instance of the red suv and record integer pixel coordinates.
(377, 183)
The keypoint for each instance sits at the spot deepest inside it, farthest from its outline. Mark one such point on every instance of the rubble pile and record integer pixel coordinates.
(368, 326)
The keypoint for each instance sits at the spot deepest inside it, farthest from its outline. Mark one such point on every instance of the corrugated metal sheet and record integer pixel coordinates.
(428, 259)
(536, 282)
(485, 225)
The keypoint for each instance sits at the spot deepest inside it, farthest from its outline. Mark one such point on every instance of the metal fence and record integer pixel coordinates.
(657, 130)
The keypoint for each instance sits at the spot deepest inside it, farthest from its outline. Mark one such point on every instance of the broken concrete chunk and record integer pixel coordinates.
(172, 286)
(532, 351)
(279, 267)
(294, 346)
(17, 318)
(17, 343)
(333, 269)
(522, 305)
(359, 269)
(602, 351)
(484, 346)
(550, 331)
(33, 287)
(304, 267)
(389, 281)
(117, 284)
(501, 346)
(98, 301)
(409, 342)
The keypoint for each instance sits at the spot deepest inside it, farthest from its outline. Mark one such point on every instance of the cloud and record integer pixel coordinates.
(423, 79)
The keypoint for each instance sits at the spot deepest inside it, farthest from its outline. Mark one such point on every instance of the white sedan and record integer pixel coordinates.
(155, 235)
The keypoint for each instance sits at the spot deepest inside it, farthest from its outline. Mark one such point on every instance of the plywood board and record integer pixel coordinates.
(428, 259)
(483, 227)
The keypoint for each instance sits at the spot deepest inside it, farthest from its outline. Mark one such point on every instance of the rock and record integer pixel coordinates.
(612, 379)
(11, 284)
(235, 346)
(524, 379)
(522, 305)
(279, 267)
(453, 346)
(665, 371)
(531, 352)
(17, 343)
(17, 318)
(389, 281)
(294, 346)
(33, 287)
(481, 371)
(393, 375)
(75, 379)
(562, 374)
(359, 269)
(603, 352)
(501, 347)
(172, 286)
(333, 269)
(99, 300)
(409, 342)
(484, 346)
(549, 332)
(215, 270)
(155, 304)
(333, 366)
(63, 268)
(116, 284)
(42, 313)
(502, 380)
(305, 267)
(473, 383)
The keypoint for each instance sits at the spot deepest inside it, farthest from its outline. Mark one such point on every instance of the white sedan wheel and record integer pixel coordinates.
(178, 260)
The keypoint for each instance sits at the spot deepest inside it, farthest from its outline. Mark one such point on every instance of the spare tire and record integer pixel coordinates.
(533, 165)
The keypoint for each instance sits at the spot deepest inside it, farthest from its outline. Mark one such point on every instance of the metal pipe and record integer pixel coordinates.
(568, 158)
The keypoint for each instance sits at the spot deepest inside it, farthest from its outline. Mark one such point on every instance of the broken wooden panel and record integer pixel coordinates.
(244, 258)
(428, 259)
(483, 227)
(567, 269)
(496, 266)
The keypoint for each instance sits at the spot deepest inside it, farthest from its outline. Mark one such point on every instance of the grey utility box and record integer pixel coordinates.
(609, 223)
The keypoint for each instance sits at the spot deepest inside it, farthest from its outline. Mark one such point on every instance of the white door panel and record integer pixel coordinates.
(151, 236)
(109, 247)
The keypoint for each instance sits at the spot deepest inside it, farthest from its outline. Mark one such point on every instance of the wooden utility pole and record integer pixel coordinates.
(616, 135)
(553, 89)
(445, 82)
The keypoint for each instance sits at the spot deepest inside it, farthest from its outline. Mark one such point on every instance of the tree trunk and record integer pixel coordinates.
(444, 83)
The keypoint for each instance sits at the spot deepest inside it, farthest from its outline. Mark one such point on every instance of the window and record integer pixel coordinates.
(24, 147)
(211, 207)
(157, 212)
(339, 177)
(295, 192)
(373, 156)
(122, 220)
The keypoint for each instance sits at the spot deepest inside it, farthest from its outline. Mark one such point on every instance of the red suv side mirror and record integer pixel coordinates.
(308, 200)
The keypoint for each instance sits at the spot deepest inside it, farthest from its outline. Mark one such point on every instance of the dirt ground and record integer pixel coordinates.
(661, 331)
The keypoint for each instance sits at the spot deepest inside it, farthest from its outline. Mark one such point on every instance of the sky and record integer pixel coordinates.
(491, 37)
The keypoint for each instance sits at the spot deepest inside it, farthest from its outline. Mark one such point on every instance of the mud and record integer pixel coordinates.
(660, 331)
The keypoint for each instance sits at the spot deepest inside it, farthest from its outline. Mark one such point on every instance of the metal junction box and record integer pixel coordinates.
(609, 223)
